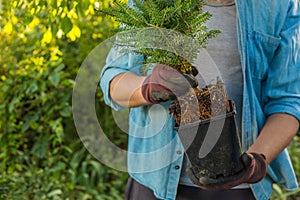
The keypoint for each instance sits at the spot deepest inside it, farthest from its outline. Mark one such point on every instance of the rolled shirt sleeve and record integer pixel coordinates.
(117, 63)
(282, 87)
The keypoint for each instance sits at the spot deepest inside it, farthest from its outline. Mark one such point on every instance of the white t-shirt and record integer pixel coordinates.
(223, 50)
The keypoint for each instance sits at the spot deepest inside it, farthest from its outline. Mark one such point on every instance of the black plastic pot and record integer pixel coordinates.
(213, 145)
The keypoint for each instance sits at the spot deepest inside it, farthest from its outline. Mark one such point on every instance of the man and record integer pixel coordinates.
(263, 59)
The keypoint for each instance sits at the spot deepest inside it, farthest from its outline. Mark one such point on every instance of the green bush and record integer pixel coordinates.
(43, 44)
(279, 193)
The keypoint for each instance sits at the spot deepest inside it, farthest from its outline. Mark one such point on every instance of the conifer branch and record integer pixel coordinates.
(181, 16)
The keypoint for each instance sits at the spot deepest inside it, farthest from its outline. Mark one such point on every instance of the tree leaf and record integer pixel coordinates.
(59, 67)
(58, 167)
(85, 4)
(66, 111)
(40, 146)
(54, 79)
(47, 38)
(74, 33)
(8, 28)
(66, 25)
(54, 193)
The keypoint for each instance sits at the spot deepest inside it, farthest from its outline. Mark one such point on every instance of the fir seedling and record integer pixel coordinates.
(183, 18)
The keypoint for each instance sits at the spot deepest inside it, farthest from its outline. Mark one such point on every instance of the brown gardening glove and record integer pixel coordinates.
(165, 83)
(255, 167)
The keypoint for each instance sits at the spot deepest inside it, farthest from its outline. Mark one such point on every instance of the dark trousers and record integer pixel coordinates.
(136, 191)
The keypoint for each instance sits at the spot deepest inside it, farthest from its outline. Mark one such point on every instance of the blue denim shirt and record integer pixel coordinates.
(269, 45)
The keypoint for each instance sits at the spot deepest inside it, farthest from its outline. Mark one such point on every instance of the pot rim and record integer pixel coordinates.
(212, 119)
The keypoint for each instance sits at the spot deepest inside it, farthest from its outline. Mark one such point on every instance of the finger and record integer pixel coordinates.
(176, 77)
(182, 80)
(192, 176)
(194, 71)
(191, 79)
(176, 86)
(159, 96)
(247, 159)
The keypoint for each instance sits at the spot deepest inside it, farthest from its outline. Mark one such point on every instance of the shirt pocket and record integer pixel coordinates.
(262, 50)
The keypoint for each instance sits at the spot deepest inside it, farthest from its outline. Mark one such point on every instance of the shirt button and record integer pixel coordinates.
(178, 152)
(177, 167)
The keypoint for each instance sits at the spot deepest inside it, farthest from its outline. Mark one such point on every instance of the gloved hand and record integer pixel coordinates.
(165, 83)
(255, 167)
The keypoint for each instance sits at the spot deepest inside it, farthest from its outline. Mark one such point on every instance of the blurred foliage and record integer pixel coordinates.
(279, 193)
(43, 44)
